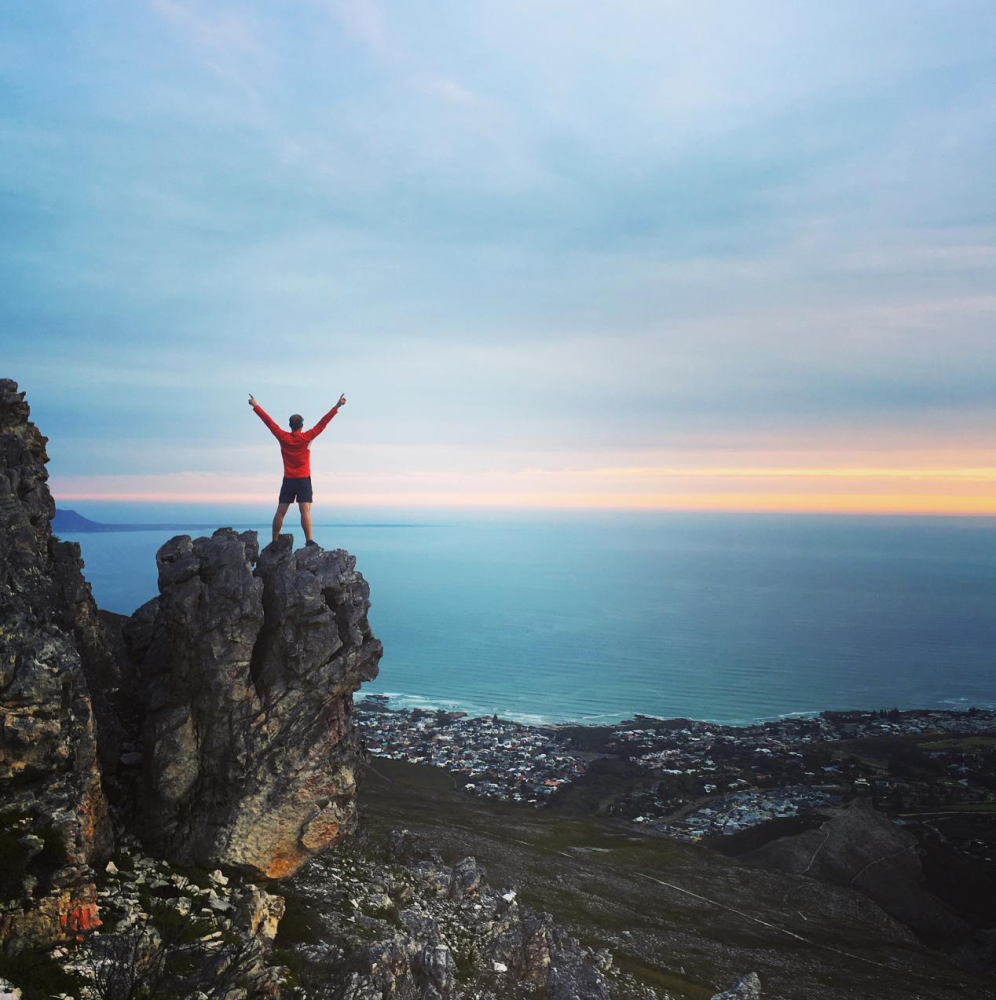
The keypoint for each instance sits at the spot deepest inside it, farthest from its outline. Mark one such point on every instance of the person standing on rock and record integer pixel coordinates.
(295, 447)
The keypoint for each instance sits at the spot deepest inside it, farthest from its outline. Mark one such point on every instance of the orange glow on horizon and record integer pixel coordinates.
(932, 483)
(780, 503)
(978, 475)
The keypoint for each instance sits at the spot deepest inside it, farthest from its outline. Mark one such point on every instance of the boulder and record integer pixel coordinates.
(465, 879)
(745, 988)
(259, 913)
(245, 668)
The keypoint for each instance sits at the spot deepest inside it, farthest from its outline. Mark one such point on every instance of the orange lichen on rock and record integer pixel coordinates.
(320, 833)
(285, 863)
(80, 915)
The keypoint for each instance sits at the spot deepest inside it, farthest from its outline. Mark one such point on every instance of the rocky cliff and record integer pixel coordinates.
(53, 815)
(238, 684)
(220, 716)
(245, 668)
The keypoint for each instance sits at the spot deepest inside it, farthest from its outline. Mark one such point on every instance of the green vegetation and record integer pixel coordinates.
(964, 743)
(667, 981)
(706, 920)
(466, 959)
(295, 963)
(176, 927)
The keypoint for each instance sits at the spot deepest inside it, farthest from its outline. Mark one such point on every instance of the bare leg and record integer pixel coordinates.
(306, 520)
(278, 518)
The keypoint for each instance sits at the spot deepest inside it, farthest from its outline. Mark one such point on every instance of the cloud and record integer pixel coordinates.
(225, 31)
(645, 227)
(448, 89)
(364, 21)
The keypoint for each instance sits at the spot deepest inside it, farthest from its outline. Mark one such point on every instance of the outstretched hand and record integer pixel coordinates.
(342, 401)
(252, 400)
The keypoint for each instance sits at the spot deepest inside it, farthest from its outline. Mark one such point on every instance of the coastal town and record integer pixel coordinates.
(725, 779)
(495, 758)
(738, 811)
(695, 780)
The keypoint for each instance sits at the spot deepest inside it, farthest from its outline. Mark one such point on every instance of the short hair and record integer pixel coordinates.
(296, 421)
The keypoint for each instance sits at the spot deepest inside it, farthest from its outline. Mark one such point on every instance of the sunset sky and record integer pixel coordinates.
(716, 256)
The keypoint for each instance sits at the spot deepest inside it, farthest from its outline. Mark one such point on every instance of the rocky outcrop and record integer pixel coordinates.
(245, 668)
(746, 988)
(165, 934)
(53, 817)
(394, 920)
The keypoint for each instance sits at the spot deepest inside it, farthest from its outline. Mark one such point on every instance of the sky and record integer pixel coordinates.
(558, 255)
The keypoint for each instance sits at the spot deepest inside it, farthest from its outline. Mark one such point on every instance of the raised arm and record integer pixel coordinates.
(324, 422)
(267, 419)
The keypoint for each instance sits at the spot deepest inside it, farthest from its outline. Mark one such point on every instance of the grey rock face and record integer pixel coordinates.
(465, 880)
(745, 988)
(53, 817)
(246, 678)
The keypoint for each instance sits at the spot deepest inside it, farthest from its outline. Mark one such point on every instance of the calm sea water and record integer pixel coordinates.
(721, 617)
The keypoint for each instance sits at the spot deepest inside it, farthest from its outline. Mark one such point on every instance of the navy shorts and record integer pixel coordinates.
(296, 489)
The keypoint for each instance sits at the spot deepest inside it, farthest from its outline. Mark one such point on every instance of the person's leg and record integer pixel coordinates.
(278, 518)
(306, 520)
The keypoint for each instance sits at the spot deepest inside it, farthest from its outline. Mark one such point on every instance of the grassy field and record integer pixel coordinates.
(676, 915)
(962, 743)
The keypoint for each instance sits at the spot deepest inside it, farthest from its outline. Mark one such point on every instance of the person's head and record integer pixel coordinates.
(296, 421)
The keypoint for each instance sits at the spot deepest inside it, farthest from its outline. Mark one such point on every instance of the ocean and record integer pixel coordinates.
(728, 618)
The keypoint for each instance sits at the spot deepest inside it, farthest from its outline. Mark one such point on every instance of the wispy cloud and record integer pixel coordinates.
(364, 21)
(227, 30)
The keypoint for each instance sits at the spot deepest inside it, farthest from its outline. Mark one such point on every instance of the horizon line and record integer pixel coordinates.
(861, 505)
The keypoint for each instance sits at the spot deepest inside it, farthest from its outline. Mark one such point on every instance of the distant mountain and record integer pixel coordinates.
(70, 520)
(72, 523)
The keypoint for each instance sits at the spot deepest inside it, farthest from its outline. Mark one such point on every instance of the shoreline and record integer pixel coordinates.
(402, 701)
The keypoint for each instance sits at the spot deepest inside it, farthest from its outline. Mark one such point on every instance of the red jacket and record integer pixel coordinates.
(294, 445)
